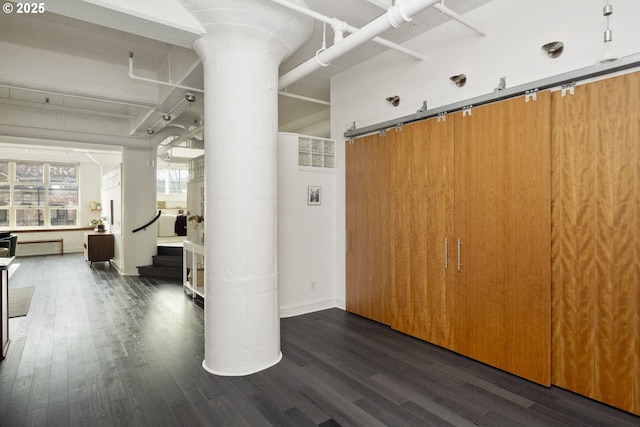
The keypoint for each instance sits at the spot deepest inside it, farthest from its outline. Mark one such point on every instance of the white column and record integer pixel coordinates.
(245, 43)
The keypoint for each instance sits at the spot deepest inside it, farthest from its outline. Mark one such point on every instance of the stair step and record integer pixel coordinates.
(167, 261)
(170, 250)
(162, 272)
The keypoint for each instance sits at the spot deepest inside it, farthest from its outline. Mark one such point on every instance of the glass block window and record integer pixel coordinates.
(196, 169)
(316, 152)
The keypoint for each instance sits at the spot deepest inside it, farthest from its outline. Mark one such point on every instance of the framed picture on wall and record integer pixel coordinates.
(314, 197)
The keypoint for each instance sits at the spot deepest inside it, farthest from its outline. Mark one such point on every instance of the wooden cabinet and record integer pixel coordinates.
(467, 233)
(596, 241)
(98, 247)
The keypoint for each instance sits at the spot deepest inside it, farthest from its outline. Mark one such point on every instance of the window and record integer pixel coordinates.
(172, 181)
(34, 194)
(316, 152)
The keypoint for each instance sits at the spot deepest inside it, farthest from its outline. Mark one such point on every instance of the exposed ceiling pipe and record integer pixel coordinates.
(164, 133)
(141, 121)
(341, 26)
(71, 136)
(159, 82)
(396, 15)
(182, 136)
(64, 109)
(457, 17)
(304, 98)
(77, 96)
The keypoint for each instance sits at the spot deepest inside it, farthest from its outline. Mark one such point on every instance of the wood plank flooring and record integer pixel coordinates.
(100, 349)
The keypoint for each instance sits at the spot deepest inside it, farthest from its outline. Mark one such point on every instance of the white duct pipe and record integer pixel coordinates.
(461, 19)
(395, 16)
(143, 79)
(182, 136)
(340, 27)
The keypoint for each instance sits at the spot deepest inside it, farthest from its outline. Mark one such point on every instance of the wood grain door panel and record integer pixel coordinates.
(369, 277)
(502, 218)
(422, 182)
(596, 241)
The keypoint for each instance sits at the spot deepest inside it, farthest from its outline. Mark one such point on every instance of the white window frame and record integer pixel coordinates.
(46, 183)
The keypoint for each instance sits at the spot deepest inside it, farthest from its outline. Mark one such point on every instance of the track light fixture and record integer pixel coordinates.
(394, 100)
(150, 131)
(190, 97)
(460, 80)
(553, 49)
(166, 117)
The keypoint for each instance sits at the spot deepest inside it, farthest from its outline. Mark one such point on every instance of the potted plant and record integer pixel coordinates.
(99, 223)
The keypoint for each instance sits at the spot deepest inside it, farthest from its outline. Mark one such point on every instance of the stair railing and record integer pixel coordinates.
(144, 227)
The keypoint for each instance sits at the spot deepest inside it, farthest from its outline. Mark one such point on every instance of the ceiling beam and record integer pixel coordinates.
(162, 20)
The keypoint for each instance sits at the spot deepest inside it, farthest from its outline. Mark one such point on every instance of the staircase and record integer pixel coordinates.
(166, 265)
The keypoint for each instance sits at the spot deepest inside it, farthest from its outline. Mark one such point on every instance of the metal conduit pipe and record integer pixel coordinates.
(395, 16)
(461, 19)
(71, 136)
(303, 98)
(340, 26)
(78, 96)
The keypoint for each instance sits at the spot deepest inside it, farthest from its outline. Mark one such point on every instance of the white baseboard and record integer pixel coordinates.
(310, 307)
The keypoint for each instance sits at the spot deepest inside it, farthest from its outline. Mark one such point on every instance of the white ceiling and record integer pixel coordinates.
(107, 50)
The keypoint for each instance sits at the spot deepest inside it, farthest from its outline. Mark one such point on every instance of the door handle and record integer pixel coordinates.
(446, 253)
(459, 257)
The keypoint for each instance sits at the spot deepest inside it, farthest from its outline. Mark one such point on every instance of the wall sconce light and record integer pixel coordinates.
(553, 49)
(460, 80)
(394, 100)
(608, 53)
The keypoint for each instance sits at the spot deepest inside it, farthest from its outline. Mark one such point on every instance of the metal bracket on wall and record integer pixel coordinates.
(569, 87)
(466, 111)
(423, 108)
(442, 117)
(623, 64)
(531, 94)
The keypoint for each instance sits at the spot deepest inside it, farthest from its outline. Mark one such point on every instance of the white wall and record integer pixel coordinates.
(112, 193)
(138, 207)
(512, 49)
(306, 234)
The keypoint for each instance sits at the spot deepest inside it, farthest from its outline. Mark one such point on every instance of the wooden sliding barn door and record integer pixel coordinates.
(596, 241)
(368, 221)
(422, 211)
(502, 220)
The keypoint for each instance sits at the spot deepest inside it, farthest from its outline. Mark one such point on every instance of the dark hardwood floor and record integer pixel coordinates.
(99, 349)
